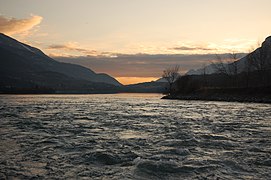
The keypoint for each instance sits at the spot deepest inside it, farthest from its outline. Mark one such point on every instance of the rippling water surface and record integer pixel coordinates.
(132, 136)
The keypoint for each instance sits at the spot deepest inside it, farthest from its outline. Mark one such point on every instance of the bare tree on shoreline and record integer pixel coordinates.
(220, 65)
(204, 73)
(171, 75)
(233, 67)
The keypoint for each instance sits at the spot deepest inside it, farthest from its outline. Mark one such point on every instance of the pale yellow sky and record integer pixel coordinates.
(107, 28)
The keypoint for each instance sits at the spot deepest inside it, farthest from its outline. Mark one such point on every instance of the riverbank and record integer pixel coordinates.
(220, 98)
(253, 95)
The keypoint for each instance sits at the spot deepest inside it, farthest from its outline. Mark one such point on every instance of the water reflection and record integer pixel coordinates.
(132, 134)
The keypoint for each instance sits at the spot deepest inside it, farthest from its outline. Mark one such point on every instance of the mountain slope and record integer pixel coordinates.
(147, 87)
(22, 63)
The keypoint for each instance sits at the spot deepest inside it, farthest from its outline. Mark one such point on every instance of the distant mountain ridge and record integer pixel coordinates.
(23, 64)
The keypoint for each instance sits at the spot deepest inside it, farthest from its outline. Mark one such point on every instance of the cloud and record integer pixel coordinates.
(11, 26)
(211, 48)
(73, 46)
(140, 65)
(192, 48)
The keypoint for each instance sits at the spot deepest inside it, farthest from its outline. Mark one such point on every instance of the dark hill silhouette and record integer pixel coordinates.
(147, 87)
(26, 67)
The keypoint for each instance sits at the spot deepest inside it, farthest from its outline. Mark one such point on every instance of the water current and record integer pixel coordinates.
(132, 136)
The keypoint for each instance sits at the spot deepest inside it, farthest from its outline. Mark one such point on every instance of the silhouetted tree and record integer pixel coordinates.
(260, 64)
(220, 66)
(204, 73)
(233, 67)
(171, 75)
(247, 69)
(228, 67)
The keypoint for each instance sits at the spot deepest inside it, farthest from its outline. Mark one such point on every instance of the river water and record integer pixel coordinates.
(132, 136)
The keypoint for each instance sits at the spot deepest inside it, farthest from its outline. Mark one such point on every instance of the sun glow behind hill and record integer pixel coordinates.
(135, 80)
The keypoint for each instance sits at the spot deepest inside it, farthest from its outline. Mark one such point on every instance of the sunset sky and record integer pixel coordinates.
(135, 40)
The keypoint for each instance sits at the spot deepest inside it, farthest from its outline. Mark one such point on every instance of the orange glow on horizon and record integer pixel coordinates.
(135, 80)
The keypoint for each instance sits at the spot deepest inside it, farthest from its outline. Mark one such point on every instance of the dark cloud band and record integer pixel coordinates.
(140, 65)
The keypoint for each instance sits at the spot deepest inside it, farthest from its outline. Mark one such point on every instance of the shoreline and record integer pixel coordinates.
(221, 97)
